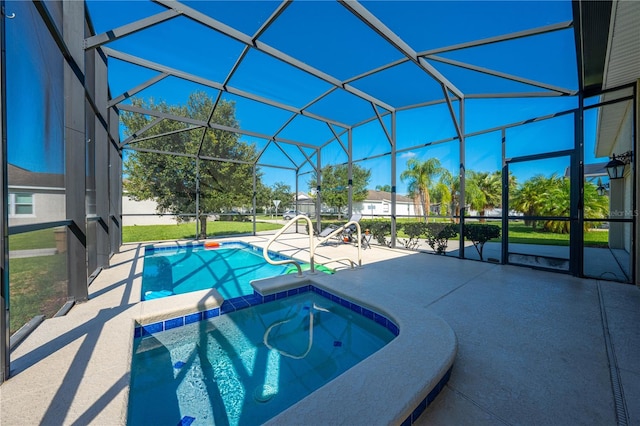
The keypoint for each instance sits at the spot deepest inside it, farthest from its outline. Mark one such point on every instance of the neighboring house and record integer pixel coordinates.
(35, 197)
(40, 197)
(378, 204)
(592, 171)
(306, 203)
(143, 213)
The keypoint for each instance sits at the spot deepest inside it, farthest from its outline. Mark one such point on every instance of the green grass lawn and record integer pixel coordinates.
(44, 238)
(187, 230)
(519, 233)
(38, 286)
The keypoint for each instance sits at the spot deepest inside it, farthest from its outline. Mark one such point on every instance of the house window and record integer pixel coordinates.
(385, 208)
(20, 204)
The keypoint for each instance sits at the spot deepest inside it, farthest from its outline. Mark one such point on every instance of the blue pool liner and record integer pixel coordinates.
(256, 298)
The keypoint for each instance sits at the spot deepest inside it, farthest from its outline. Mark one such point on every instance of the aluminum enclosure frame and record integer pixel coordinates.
(77, 45)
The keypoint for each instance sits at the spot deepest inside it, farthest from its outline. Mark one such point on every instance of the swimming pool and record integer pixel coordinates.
(247, 366)
(229, 267)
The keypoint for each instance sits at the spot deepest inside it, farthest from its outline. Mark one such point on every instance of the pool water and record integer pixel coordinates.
(229, 269)
(245, 367)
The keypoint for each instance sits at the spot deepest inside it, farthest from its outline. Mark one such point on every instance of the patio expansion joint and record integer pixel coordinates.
(626, 277)
(459, 287)
(481, 407)
(622, 415)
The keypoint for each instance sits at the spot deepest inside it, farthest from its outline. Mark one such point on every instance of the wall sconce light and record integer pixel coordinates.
(602, 189)
(615, 167)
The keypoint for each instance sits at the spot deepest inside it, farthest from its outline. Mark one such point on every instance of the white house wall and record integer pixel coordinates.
(372, 209)
(143, 213)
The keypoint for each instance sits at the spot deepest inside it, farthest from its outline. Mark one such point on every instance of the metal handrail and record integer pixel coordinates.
(339, 230)
(265, 250)
(312, 246)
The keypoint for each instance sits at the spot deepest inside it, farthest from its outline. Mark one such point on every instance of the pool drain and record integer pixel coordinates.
(264, 393)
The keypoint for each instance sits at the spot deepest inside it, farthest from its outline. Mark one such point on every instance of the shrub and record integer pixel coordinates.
(480, 233)
(438, 235)
(379, 229)
(413, 230)
(234, 217)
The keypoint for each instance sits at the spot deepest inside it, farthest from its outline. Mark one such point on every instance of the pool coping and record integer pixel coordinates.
(392, 386)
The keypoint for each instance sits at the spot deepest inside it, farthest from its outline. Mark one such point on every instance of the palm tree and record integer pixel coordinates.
(441, 195)
(421, 175)
(450, 194)
(550, 196)
(557, 203)
(529, 198)
(484, 191)
(595, 206)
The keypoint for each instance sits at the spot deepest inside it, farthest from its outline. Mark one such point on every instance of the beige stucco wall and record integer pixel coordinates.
(48, 206)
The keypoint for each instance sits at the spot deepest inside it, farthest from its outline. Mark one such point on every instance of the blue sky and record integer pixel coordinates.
(34, 98)
(337, 43)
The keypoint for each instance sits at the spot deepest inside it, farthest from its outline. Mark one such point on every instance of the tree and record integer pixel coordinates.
(550, 196)
(449, 186)
(484, 191)
(556, 203)
(263, 196)
(595, 206)
(281, 191)
(176, 181)
(420, 176)
(529, 198)
(479, 234)
(384, 188)
(335, 185)
(447, 192)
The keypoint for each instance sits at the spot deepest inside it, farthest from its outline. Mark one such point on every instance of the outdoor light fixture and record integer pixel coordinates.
(615, 167)
(602, 188)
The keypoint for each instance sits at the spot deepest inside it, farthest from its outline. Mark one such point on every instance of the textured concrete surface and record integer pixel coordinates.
(533, 347)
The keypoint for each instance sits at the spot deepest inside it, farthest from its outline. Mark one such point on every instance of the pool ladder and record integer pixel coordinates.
(312, 245)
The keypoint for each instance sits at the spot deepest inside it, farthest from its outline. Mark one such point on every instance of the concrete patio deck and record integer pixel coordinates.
(533, 347)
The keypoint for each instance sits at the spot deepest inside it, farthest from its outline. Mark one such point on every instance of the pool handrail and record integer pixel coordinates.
(312, 246)
(265, 251)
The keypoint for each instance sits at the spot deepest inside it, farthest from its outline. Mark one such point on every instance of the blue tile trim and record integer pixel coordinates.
(422, 405)
(174, 323)
(227, 307)
(186, 421)
(150, 329)
(191, 318)
(239, 303)
(151, 249)
(242, 302)
(211, 313)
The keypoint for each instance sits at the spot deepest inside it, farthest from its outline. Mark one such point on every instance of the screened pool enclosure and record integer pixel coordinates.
(126, 113)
